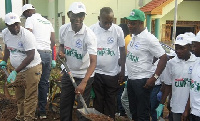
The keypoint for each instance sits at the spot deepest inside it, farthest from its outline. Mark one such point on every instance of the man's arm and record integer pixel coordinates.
(90, 70)
(160, 67)
(30, 56)
(122, 62)
(30, 29)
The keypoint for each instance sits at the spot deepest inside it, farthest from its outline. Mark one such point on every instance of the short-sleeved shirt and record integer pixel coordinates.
(178, 74)
(140, 53)
(42, 29)
(195, 89)
(108, 43)
(77, 48)
(18, 44)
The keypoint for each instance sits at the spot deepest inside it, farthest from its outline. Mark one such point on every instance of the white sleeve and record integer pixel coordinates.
(168, 74)
(61, 34)
(120, 38)
(29, 23)
(52, 29)
(155, 47)
(29, 42)
(91, 42)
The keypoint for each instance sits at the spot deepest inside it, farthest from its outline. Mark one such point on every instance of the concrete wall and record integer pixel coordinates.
(121, 8)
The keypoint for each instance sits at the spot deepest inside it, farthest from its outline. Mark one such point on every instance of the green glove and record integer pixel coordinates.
(11, 77)
(159, 110)
(3, 64)
(125, 84)
(92, 94)
(53, 64)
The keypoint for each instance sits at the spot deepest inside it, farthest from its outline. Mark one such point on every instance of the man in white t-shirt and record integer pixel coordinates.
(141, 75)
(178, 78)
(45, 44)
(195, 84)
(20, 47)
(78, 45)
(110, 41)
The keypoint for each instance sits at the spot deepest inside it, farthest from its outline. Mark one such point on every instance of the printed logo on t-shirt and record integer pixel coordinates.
(73, 53)
(131, 57)
(105, 52)
(79, 44)
(110, 40)
(190, 70)
(20, 44)
(136, 45)
(43, 21)
(195, 86)
(182, 82)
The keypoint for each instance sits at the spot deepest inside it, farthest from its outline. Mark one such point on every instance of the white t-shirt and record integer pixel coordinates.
(42, 29)
(178, 74)
(140, 53)
(108, 43)
(158, 81)
(195, 89)
(77, 47)
(18, 44)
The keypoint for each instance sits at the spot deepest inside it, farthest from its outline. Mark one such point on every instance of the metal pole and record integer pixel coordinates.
(174, 24)
(8, 6)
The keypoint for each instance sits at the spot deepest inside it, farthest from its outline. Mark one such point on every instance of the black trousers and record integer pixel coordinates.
(105, 88)
(194, 118)
(139, 99)
(68, 97)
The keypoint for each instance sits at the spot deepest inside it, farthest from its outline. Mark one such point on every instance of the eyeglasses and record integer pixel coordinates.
(78, 15)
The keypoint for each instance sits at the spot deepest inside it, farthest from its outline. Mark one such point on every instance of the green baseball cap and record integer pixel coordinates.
(136, 14)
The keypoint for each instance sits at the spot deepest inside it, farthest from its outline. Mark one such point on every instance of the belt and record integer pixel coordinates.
(44, 51)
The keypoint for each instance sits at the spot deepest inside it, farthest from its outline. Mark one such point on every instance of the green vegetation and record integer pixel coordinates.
(2, 24)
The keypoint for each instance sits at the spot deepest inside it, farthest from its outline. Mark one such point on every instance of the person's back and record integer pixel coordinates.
(42, 29)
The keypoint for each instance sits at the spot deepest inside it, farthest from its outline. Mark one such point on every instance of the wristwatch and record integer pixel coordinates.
(156, 76)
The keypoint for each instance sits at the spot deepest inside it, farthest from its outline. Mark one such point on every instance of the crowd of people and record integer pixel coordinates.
(101, 58)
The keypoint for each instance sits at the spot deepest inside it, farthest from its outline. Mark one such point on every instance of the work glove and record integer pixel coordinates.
(125, 84)
(159, 110)
(92, 94)
(53, 64)
(11, 77)
(3, 64)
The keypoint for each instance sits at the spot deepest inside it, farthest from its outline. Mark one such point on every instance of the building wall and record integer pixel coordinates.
(187, 11)
(121, 8)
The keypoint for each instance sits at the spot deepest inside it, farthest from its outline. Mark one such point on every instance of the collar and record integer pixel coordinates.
(98, 24)
(191, 59)
(141, 34)
(81, 31)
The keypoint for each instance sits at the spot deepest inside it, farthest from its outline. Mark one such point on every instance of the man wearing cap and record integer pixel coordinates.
(141, 75)
(178, 79)
(20, 47)
(45, 44)
(78, 45)
(195, 86)
(108, 75)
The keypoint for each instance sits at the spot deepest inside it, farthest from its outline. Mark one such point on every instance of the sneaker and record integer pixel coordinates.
(43, 116)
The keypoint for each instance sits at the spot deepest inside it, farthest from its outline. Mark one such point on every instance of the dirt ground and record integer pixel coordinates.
(8, 111)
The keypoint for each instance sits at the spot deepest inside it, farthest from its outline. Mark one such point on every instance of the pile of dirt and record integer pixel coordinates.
(8, 108)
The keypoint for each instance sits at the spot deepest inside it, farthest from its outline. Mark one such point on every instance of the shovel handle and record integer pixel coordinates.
(73, 82)
(7, 74)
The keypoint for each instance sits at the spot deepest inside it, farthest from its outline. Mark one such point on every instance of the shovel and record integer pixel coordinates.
(5, 88)
(84, 111)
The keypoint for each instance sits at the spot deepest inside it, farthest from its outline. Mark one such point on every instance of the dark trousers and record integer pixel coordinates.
(139, 99)
(105, 88)
(194, 118)
(68, 97)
